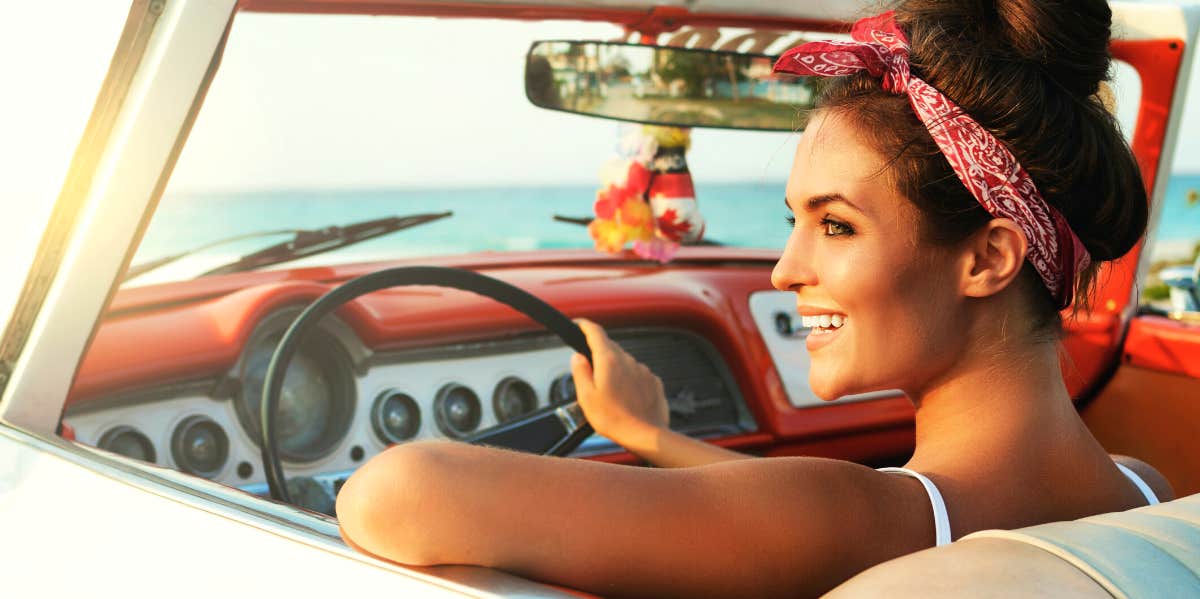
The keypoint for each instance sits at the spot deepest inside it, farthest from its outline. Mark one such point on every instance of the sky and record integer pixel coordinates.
(53, 56)
(57, 65)
(379, 109)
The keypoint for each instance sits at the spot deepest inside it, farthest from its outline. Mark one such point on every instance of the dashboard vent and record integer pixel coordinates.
(703, 397)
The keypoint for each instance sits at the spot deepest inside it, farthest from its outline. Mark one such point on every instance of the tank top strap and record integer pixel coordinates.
(1138, 482)
(941, 519)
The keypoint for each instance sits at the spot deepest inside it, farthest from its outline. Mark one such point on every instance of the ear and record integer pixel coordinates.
(993, 258)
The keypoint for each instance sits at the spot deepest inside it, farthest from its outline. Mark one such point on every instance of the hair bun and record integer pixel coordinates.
(1069, 38)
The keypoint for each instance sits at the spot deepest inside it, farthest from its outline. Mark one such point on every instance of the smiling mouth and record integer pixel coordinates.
(823, 324)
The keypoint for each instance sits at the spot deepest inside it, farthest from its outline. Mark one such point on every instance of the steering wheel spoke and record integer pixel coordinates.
(553, 430)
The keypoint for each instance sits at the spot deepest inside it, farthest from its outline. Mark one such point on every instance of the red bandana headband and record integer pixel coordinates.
(982, 163)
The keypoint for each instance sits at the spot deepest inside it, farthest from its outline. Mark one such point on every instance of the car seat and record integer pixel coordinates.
(1153, 551)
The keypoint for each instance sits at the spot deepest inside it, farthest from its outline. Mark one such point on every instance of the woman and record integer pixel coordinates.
(927, 259)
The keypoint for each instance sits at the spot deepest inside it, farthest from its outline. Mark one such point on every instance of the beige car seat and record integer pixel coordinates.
(1152, 551)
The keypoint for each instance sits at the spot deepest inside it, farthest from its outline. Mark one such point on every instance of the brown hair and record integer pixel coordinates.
(1028, 71)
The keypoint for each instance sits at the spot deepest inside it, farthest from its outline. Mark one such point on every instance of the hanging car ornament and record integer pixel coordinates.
(647, 198)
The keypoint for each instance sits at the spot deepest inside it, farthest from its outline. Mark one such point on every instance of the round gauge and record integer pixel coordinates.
(512, 399)
(395, 417)
(129, 442)
(562, 390)
(456, 410)
(199, 446)
(315, 404)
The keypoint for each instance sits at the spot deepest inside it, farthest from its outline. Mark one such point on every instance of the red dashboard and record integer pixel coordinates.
(195, 329)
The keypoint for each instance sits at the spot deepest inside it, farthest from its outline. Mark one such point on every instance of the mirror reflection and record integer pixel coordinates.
(682, 87)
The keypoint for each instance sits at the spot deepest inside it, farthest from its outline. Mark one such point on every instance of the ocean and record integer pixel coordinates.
(1178, 229)
(495, 219)
(485, 219)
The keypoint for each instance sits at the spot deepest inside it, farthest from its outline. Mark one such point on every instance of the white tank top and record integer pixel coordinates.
(941, 519)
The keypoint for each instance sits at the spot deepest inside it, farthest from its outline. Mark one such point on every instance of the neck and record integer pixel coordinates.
(993, 399)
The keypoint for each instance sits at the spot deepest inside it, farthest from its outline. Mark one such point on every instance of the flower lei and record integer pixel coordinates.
(647, 197)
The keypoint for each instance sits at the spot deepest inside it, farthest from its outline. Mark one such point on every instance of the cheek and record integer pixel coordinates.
(903, 319)
(857, 276)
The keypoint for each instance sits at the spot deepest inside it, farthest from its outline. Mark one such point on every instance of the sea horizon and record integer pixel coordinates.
(738, 213)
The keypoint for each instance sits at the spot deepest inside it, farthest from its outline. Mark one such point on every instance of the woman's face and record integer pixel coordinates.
(855, 257)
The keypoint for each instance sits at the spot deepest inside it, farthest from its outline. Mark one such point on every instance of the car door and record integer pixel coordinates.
(1149, 406)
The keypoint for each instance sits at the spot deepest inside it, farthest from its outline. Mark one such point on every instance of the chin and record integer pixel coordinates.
(830, 388)
(827, 390)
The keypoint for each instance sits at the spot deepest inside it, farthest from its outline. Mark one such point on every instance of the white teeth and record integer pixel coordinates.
(823, 321)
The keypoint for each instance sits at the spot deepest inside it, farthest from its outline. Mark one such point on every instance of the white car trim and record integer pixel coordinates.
(1183, 23)
(255, 544)
(157, 106)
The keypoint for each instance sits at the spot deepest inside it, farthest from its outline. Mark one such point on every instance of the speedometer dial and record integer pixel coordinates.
(316, 402)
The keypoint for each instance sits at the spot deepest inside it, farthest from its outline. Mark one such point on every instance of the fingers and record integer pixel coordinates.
(604, 350)
(596, 337)
(608, 357)
(581, 371)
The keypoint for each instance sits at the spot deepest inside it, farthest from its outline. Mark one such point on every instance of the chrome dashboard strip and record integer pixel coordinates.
(571, 416)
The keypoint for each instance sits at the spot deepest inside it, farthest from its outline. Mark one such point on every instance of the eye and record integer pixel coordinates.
(836, 228)
(791, 221)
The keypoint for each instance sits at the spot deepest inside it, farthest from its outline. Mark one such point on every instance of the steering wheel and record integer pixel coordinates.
(553, 430)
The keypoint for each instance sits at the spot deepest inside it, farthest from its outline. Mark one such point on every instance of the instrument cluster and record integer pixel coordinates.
(342, 402)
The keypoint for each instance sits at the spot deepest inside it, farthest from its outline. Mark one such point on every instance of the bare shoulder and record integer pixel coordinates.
(1158, 483)
(829, 518)
(835, 500)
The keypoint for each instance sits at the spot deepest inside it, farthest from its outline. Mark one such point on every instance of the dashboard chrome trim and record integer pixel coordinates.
(705, 407)
(571, 415)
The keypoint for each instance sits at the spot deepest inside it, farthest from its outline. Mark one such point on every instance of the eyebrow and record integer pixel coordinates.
(817, 201)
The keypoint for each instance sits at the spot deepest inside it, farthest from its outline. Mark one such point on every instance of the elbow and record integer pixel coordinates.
(379, 508)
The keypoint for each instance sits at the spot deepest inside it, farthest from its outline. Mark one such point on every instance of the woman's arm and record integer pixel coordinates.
(624, 401)
(783, 526)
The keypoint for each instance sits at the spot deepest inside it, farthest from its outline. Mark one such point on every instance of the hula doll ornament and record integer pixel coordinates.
(647, 197)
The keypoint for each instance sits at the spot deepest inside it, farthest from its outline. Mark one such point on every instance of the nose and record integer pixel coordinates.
(795, 267)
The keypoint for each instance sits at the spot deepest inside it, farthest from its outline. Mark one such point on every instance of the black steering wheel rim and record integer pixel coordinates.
(455, 278)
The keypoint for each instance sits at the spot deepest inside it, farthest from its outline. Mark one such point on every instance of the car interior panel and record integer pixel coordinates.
(1145, 413)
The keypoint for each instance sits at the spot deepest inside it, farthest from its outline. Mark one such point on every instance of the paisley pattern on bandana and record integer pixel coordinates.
(984, 165)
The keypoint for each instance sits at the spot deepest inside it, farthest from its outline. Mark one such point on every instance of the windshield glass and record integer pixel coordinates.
(386, 119)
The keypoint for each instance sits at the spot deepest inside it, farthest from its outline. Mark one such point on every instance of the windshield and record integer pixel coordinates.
(386, 119)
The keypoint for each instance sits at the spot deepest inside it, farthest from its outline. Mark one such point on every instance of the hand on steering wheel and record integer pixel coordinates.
(620, 396)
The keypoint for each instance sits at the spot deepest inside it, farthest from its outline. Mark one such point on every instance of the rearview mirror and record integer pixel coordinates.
(680, 87)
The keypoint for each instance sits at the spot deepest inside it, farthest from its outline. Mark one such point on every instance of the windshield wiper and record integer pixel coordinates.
(317, 241)
(304, 242)
(138, 270)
